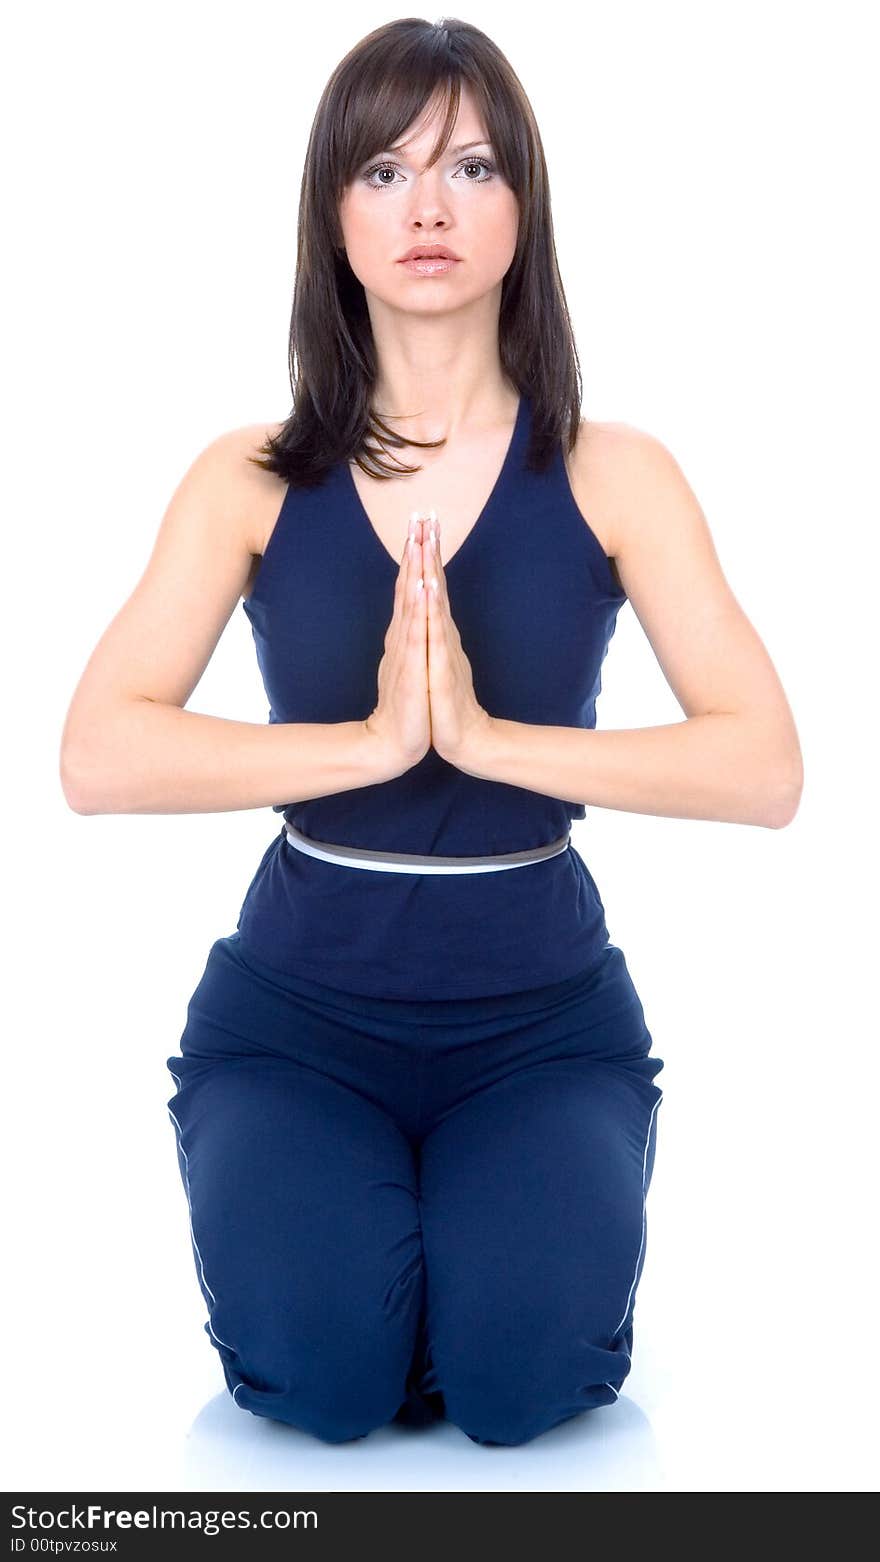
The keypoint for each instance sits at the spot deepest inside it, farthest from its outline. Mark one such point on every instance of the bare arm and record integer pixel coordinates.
(736, 757)
(153, 758)
(128, 746)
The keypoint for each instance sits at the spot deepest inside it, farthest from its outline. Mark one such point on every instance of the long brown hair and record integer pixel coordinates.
(373, 96)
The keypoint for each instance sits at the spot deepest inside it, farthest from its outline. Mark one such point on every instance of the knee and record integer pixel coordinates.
(343, 1412)
(336, 1394)
(334, 1409)
(510, 1419)
(512, 1397)
(503, 1425)
(503, 1408)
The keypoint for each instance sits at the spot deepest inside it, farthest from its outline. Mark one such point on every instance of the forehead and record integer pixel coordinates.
(468, 128)
(406, 148)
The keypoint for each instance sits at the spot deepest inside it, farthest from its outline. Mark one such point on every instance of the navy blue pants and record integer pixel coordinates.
(404, 1210)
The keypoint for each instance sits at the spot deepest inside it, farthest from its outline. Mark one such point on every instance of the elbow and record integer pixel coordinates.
(79, 792)
(93, 760)
(97, 767)
(785, 796)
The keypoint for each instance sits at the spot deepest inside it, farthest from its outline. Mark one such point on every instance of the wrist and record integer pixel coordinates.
(473, 755)
(382, 761)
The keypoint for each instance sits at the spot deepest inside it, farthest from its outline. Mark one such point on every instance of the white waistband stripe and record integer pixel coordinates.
(410, 862)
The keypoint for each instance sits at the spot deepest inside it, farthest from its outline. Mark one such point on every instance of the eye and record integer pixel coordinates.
(387, 184)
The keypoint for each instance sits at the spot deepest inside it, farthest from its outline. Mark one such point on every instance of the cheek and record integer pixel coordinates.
(508, 224)
(359, 221)
(498, 229)
(365, 236)
(493, 249)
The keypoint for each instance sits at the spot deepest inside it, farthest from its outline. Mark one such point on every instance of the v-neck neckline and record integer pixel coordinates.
(493, 496)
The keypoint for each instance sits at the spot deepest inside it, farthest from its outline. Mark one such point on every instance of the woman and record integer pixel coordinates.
(415, 1105)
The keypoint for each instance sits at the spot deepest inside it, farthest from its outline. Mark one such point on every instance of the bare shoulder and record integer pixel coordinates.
(603, 469)
(253, 494)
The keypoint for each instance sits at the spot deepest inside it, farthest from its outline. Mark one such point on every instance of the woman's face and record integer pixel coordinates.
(394, 202)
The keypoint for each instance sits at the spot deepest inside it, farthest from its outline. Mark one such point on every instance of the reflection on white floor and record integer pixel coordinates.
(608, 1449)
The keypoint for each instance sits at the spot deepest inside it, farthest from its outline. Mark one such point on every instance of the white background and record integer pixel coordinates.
(713, 174)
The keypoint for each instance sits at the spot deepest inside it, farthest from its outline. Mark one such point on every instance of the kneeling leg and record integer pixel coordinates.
(534, 1226)
(305, 1230)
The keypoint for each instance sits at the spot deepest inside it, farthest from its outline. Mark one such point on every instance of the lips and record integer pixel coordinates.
(430, 252)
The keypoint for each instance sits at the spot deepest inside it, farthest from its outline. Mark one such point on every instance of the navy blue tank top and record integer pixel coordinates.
(536, 602)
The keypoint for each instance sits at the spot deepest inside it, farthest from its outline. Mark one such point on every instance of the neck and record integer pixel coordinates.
(434, 383)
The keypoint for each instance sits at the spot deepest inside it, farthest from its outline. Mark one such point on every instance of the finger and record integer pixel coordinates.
(428, 553)
(401, 584)
(419, 575)
(414, 558)
(430, 574)
(419, 610)
(435, 566)
(443, 592)
(401, 602)
(436, 614)
(411, 547)
(404, 604)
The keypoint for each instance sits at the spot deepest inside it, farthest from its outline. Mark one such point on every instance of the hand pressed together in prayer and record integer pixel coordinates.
(425, 682)
(456, 714)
